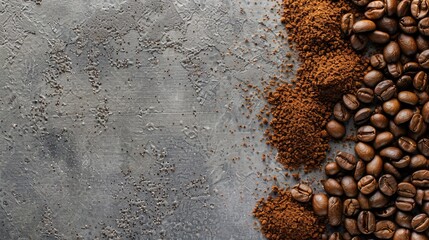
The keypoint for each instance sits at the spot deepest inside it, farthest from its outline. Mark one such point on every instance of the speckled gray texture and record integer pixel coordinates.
(120, 119)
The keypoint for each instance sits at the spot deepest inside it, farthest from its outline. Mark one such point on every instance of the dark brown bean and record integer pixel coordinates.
(379, 37)
(378, 200)
(390, 169)
(351, 207)
(395, 69)
(407, 44)
(418, 236)
(403, 219)
(385, 212)
(416, 123)
(350, 101)
(390, 6)
(335, 209)
(406, 189)
(408, 25)
(335, 129)
(349, 186)
(367, 184)
(392, 107)
(362, 116)
(384, 229)
(419, 196)
(424, 26)
(363, 26)
(418, 135)
(403, 8)
(418, 161)
(301, 192)
(378, 120)
(405, 204)
(425, 207)
(332, 168)
(335, 236)
(363, 201)
(320, 204)
(404, 81)
(408, 97)
(359, 41)
(423, 146)
(375, 166)
(364, 151)
(366, 95)
(423, 59)
(351, 226)
(386, 24)
(407, 144)
(420, 222)
(366, 222)
(347, 22)
(402, 234)
(346, 160)
(422, 43)
(420, 81)
(383, 139)
(375, 10)
(377, 61)
(425, 112)
(359, 170)
(403, 116)
(411, 68)
(423, 97)
(372, 78)
(393, 153)
(392, 52)
(388, 185)
(385, 90)
(341, 113)
(419, 8)
(396, 130)
(333, 187)
(402, 163)
(420, 178)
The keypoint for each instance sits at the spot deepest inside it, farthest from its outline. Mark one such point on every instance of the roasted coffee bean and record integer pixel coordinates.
(403, 8)
(411, 68)
(375, 166)
(351, 226)
(350, 101)
(372, 78)
(416, 123)
(341, 113)
(405, 204)
(425, 207)
(365, 95)
(422, 43)
(333, 187)
(384, 229)
(349, 186)
(425, 112)
(377, 61)
(424, 26)
(351, 207)
(378, 200)
(420, 81)
(390, 7)
(379, 37)
(364, 151)
(367, 184)
(335, 129)
(366, 222)
(383, 139)
(395, 69)
(390, 169)
(335, 236)
(392, 52)
(392, 107)
(419, 8)
(423, 97)
(402, 234)
(402, 163)
(385, 90)
(407, 44)
(419, 196)
(396, 130)
(363, 201)
(403, 116)
(418, 236)
(359, 41)
(320, 204)
(363, 26)
(378, 120)
(426, 195)
(359, 170)
(423, 146)
(408, 25)
(361, 3)
(406, 189)
(420, 178)
(335, 209)
(301, 192)
(403, 219)
(388, 185)
(420, 222)
(404, 81)
(423, 59)
(375, 10)
(332, 168)
(362, 116)
(418, 135)
(407, 144)
(386, 24)
(346, 160)
(385, 212)
(408, 97)
(392, 153)
(347, 22)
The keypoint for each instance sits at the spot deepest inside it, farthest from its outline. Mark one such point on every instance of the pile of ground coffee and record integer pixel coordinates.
(330, 67)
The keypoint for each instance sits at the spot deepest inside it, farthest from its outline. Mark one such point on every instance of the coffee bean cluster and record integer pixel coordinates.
(381, 191)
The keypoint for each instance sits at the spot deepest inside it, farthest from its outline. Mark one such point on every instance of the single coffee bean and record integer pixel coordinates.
(418, 236)
(372, 78)
(332, 168)
(388, 185)
(419, 8)
(359, 41)
(364, 151)
(377, 61)
(387, 24)
(425, 112)
(349, 185)
(302, 192)
(411, 68)
(363, 201)
(426, 195)
(378, 200)
(407, 144)
(359, 170)
(423, 26)
(320, 204)
(363, 26)
(335, 129)
(416, 123)
(402, 163)
(392, 107)
(367, 184)
(351, 226)
(403, 8)
(362, 116)
(418, 135)
(392, 153)
(335, 209)
(341, 113)
(383, 139)
(392, 52)
(408, 25)
(420, 222)
(404, 81)
(333, 187)
(408, 97)
(420, 81)
(347, 22)
(402, 234)
(366, 222)
(423, 146)
(375, 10)
(385, 90)
(346, 160)
(351, 207)
(420, 178)
(390, 169)
(375, 166)
(422, 43)
(403, 116)
(403, 219)
(390, 7)
(406, 189)
(396, 130)
(384, 229)
(378, 120)
(385, 212)
(423, 59)
(405, 204)
(395, 69)
(366, 95)
(361, 3)
(419, 196)
(379, 37)
(407, 44)
(423, 96)
(350, 101)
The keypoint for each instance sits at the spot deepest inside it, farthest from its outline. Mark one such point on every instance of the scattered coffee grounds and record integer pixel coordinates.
(329, 68)
(283, 218)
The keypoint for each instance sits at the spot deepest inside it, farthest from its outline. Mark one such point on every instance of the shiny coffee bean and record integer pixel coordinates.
(403, 8)
(366, 222)
(423, 146)
(383, 139)
(385, 212)
(392, 52)
(379, 37)
(407, 44)
(375, 166)
(403, 219)
(346, 160)
(335, 129)
(363, 201)
(418, 236)
(385, 90)
(406, 189)
(377, 61)
(424, 26)
(405, 204)
(419, 196)
(375, 10)
(351, 226)
(364, 151)
(341, 113)
(320, 204)
(422, 43)
(425, 112)
(335, 209)
(363, 26)
(402, 234)
(351, 207)
(420, 222)
(420, 81)
(403, 116)
(388, 185)
(359, 170)
(402, 163)
(423, 97)
(411, 68)
(408, 25)
(390, 7)
(347, 22)
(419, 8)
(388, 25)
(349, 186)
(395, 69)
(420, 178)
(378, 200)
(397, 130)
(362, 116)
(350, 101)
(378, 120)
(333, 187)
(367, 184)
(365, 95)
(416, 123)
(359, 41)
(332, 168)
(423, 59)
(302, 192)
(392, 107)
(384, 229)
(390, 169)
(392, 153)
(404, 81)
(407, 144)
(418, 135)
(408, 97)
(372, 78)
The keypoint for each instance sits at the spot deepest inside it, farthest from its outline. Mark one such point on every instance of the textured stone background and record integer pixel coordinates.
(120, 119)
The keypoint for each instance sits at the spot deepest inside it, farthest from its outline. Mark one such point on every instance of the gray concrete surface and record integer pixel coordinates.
(120, 119)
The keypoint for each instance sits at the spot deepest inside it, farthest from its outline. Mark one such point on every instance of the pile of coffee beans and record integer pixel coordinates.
(381, 191)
